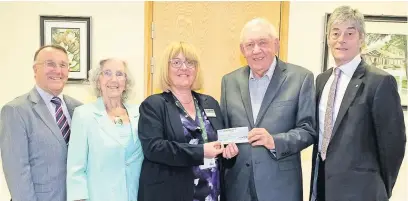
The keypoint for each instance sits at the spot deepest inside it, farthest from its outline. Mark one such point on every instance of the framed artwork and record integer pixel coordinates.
(385, 48)
(72, 33)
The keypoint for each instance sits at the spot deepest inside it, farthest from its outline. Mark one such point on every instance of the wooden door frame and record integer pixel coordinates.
(148, 47)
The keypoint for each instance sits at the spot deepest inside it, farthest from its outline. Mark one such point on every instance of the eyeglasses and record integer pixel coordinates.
(52, 64)
(178, 63)
(109, 74)
(262, 43)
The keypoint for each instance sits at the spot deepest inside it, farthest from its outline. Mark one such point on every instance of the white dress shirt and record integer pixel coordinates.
(346, 73)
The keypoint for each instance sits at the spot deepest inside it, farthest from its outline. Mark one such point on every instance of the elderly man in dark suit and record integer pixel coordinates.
(361, 125)
(276, 101)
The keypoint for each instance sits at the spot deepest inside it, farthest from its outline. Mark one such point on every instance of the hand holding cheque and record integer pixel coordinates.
(256, 137)
(212, 149)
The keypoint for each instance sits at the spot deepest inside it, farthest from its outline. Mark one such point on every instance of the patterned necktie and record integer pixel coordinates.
(62, 121)
(328, 117)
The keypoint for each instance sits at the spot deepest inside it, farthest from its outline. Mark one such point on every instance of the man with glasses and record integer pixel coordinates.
(35, 130)
(276, 101)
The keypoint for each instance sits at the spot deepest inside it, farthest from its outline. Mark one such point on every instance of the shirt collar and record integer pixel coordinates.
(268, 73)
(349, 68)
(47, 96)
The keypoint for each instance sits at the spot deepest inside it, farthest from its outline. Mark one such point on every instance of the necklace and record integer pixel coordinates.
(186, 102)
(117, 115)
(118, 120)
(175, 95)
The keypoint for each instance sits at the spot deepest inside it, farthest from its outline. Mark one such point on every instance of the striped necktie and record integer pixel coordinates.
(61, 119)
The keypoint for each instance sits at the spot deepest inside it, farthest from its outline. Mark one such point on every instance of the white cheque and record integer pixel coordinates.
(233, 135)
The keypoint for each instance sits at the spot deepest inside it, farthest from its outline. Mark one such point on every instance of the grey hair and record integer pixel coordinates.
(271, 30)
(347, 14)
(95, 73)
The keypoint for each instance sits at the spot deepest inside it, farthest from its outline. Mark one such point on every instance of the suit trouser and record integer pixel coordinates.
(321, 180)
(251, 192)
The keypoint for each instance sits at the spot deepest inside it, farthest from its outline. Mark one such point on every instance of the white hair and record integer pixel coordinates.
(95, 73)
(270, 28)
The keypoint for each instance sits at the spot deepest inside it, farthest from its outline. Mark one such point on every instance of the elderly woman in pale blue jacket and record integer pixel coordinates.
(104, 154)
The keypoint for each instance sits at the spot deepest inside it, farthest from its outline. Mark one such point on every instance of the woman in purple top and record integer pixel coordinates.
(178, 132)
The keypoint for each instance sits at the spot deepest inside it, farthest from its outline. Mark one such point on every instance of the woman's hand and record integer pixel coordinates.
(212, 149)
(230, 151)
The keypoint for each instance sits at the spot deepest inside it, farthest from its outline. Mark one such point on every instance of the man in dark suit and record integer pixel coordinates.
(276, 101)
(360, 119)
(35, 130)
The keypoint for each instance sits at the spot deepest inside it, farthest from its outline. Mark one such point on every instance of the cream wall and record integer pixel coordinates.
(305, 47)
(117, 31)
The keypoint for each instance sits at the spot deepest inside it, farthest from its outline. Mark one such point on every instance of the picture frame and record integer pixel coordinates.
(385, 48)
(74, 34)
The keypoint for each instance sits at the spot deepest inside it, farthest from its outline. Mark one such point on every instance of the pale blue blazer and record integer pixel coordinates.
(97, 166)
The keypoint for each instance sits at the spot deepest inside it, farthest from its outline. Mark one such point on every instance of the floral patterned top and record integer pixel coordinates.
(207, 185)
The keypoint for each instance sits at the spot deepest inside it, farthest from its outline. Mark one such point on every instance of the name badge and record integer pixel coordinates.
(210, 112)
(208, 163)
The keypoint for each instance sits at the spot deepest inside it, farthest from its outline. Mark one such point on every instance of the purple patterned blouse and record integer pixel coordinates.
(207, 186)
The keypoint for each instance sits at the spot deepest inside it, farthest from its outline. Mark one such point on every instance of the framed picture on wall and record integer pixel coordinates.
(385, 48)
(72, 33)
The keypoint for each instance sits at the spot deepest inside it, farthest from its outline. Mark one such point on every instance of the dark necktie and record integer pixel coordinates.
(62, 121)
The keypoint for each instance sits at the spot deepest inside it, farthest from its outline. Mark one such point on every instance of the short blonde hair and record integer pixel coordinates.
(171, 52)
(95, 73)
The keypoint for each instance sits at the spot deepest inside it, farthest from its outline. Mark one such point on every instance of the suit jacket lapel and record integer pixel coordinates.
(104, 121)
(133, 118)
(42, 110)
(174, 116)
(350, 94)
(322, 82)
(244, 87)
(276, 82)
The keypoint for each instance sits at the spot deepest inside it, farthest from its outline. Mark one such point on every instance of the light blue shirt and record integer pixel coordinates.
(258, 87)
(126, 137)
(51, 106)
(257, 90)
